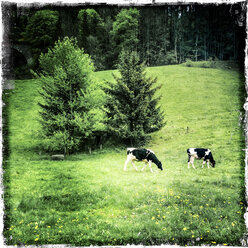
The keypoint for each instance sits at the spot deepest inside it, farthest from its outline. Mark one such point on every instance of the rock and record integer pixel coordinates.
(58, 157)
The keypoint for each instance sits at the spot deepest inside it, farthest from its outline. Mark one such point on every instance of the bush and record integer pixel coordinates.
(171, 57)
(165, 58)
(205, 64)
(211, 63)
(189, 63)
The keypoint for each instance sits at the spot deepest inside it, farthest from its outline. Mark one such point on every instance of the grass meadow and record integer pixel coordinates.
(88, 199)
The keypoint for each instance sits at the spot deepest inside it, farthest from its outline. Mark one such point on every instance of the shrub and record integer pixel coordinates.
(171, 57)
(189, 63)
(213, 62)
(205, 64)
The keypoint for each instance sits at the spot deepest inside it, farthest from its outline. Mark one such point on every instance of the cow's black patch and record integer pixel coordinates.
(201, 152)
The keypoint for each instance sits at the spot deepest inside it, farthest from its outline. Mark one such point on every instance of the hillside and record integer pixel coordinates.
(89, 199)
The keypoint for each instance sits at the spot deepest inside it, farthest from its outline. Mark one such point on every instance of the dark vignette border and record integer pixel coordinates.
(238, 9)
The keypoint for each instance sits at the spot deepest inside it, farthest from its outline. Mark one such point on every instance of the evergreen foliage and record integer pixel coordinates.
(70, 99)
(107, 44)
(90, 29)
(154, 36)
(41, 30)
(89, 23)
(162, 35)
(125, 30)
(132, 108)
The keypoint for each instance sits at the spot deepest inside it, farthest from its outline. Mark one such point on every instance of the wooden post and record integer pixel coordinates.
(89, 148)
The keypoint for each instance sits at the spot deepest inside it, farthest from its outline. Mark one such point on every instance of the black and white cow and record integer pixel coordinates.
(200, 153)
(140, 154)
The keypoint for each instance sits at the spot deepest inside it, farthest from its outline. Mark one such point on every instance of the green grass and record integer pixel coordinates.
(89, 199)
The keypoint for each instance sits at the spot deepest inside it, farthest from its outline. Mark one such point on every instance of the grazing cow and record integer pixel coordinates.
(200, 153)
(145, 155)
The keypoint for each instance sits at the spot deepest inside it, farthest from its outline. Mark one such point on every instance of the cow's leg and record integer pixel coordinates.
(188, 161)
(192, 161)
(127, 161)
(150, 165)
(125, 165)
(208, 163)
(144, 166)
(134, 165)
(203, 163)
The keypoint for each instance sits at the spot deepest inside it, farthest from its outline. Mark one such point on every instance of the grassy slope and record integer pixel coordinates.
(88, 199)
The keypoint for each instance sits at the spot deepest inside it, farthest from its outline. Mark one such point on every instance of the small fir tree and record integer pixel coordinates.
(132, 108)
(70, 100)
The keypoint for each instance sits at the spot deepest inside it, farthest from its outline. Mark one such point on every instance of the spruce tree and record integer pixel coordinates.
(132, 108)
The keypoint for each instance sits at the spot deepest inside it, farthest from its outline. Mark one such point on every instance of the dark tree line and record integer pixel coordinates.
(173, 34)
(162, 35)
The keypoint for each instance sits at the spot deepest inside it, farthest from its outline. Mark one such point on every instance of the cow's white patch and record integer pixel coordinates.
(193, 153)
(191, 150)
(130, 158)
(207, 152)
(130, 149)
(151, 151)
(191, 161)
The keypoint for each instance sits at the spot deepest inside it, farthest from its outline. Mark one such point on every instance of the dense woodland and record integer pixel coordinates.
(162, 35)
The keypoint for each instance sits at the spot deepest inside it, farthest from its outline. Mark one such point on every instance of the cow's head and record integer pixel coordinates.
(213, 163)
(159, 164)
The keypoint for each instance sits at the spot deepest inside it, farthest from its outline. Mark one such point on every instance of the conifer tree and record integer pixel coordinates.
(69, 100)
(125, 29)
(132, 108)
(90, 32)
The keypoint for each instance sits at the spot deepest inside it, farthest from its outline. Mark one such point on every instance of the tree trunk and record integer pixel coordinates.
(205, 48)
(196, 47)
(175, 47)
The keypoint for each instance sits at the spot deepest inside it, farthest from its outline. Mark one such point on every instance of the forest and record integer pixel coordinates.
(162, 35)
